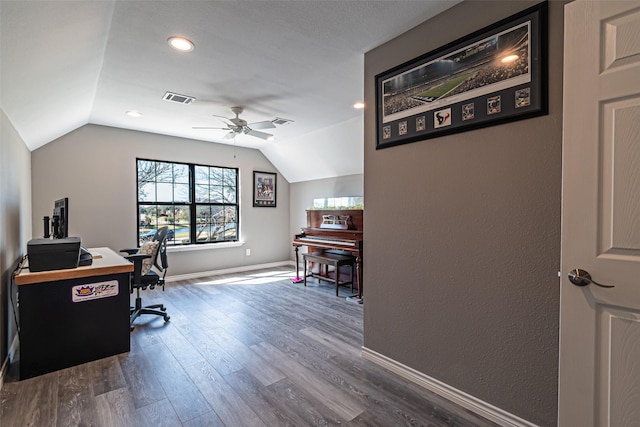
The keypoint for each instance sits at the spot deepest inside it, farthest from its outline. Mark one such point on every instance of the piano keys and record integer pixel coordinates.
(321, 240)
(315, 238)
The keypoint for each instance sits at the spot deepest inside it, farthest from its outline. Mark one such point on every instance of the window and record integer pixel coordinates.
(198, 203)
(351, 202)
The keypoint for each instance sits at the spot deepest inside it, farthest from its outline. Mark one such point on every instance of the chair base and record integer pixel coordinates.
(138, 309)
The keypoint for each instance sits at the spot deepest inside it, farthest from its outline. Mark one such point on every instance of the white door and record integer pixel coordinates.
(599, 382)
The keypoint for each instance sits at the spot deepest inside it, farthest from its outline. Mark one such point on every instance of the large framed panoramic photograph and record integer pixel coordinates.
(495, 75)
(264, 189)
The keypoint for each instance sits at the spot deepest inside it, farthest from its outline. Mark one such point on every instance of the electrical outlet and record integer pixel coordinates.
(248, 252)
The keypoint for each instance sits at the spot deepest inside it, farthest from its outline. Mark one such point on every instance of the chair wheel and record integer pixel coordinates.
(132, 328)
(163, 308)
(166, 318)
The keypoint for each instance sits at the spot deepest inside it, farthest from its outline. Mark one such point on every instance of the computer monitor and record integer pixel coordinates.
(60, 220)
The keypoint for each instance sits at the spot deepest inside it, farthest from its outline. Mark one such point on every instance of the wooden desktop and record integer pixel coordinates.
(72, 316)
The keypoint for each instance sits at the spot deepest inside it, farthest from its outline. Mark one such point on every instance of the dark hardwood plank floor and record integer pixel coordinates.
(248, 349)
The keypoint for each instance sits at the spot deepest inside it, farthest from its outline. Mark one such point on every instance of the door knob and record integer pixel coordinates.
(581, 277)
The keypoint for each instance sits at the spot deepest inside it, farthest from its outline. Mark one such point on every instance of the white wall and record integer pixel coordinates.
(15, 221)
(94, 166)
(299, 159)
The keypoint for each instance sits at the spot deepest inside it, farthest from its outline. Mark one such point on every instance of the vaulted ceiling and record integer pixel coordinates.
(64, 64)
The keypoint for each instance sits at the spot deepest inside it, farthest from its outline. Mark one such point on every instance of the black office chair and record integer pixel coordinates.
(151, 254)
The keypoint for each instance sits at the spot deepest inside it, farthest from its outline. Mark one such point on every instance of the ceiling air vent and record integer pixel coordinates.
(282, 122)
(180, 99)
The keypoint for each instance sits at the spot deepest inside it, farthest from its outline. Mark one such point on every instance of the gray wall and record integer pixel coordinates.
(94, 166)
(462, 237)
(303, 193)
(15, 221)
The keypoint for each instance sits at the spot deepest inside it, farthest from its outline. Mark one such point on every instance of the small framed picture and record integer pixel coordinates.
(386, 132)
(523, 97)
(493, 105)
(402, 128)
(264, 189)
(468, 111)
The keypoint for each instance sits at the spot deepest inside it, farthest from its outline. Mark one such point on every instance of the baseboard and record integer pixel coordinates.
(10, 356)
(463, 399)
(232, 270)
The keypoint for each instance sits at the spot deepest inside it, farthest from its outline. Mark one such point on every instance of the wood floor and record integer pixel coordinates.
(251, 349)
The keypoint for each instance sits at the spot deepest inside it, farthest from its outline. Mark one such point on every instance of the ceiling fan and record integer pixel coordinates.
(237, 126)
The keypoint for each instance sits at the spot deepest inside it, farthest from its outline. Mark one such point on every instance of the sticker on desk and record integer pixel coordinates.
(81, 293)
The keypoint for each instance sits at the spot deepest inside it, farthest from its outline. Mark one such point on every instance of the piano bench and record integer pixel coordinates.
(336, 260)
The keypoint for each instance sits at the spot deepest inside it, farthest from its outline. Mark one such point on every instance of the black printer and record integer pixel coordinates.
(53, 254)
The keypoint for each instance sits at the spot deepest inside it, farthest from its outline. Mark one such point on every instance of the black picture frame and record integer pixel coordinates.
(465, 84)
(264, 189)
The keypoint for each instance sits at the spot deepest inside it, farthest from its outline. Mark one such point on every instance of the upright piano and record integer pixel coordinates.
(342, 231)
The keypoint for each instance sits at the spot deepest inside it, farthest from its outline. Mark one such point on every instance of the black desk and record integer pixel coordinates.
(69, 317)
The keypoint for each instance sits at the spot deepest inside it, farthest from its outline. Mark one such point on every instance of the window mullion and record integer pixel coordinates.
(192, 204)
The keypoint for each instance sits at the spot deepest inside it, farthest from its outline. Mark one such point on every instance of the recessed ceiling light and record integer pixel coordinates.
(134, 113)
(358, 105)
(180, 43)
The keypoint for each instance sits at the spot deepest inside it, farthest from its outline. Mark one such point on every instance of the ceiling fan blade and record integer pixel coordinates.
(258, 134)
(226, 120)
(208, 127)
(222, 117)
(262, 125)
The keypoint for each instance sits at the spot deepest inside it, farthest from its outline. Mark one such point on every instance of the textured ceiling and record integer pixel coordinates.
(68, 63)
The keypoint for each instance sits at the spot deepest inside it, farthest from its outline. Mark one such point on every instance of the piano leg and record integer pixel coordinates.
(297, 265)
